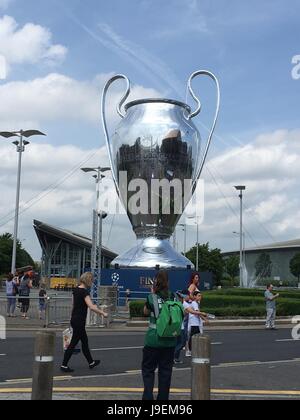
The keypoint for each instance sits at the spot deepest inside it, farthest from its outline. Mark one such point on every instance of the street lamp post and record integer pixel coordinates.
(98, 216)
(244, 249)
(241, 188)
(197, 254)
(197, 250)
(20, 145)
(185, 239)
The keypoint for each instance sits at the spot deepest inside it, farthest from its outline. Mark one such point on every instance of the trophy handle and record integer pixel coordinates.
(198, 110)
(119, 111)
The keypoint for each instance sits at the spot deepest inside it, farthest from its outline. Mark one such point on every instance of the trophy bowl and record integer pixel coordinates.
(156, 161)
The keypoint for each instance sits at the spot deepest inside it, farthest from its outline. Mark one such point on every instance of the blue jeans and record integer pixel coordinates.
(11, 305)
(181, 342)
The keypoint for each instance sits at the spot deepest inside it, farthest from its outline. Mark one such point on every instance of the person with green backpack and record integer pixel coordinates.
(166, 317)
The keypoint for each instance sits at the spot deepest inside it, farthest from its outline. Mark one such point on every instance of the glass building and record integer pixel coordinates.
(270, 262)
(66, 255)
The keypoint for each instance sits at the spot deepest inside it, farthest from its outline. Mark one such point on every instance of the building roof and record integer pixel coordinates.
(292, 244)
(76, 239)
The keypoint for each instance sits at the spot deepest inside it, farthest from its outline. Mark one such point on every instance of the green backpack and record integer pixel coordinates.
(169, 320)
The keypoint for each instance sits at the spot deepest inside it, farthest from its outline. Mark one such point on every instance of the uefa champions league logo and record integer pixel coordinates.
(115, 279)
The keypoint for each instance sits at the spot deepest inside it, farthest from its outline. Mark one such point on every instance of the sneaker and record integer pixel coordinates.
(66, 369)
(178, 362)
(94, 364)
(188, 353)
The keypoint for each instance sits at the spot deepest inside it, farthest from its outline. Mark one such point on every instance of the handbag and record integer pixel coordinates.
(67, 338)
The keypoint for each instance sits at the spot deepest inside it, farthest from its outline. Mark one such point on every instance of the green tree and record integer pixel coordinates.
(209, 260)
(263, 266)
(6, 246)
(232, 267)
(295, 266)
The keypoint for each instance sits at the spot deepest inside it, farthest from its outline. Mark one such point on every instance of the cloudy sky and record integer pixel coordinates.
(55, 57)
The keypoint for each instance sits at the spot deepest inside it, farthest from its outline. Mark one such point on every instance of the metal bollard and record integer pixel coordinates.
(43, 367)
(201, 368)
(55, 311)
(47, 315)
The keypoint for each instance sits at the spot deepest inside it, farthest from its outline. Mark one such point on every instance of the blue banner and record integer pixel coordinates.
(136, 284)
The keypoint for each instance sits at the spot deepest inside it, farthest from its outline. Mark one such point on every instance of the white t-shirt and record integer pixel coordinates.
(195, 320)
(186, 305)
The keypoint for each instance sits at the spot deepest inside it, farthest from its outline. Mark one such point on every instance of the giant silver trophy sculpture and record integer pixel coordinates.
(156, 140)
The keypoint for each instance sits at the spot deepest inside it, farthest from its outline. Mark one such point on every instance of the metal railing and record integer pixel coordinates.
(124, 298)
(33, 309)
(58, 310)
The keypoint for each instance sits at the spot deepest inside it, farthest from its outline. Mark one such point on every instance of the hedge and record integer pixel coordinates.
(216, 301)
(236, 311)
(136, 309)
(252, 292)
(232, 306)
(228, 283)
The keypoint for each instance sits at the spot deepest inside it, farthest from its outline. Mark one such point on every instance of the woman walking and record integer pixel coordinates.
(81, 303)
(11, 293)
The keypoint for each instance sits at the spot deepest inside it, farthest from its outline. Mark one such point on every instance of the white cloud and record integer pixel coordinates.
(54, 189)
(271, 207)
(269, 169)
(59, 98)
(271, 155)
(30, 44)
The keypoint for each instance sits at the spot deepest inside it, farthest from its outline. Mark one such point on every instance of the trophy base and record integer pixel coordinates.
(150, 253)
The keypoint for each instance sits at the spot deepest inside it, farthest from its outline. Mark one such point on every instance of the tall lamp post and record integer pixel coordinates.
(98, 217)
(20, 145)
(197, 251)
(244, 248)
(241, 188)
(184, 230)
